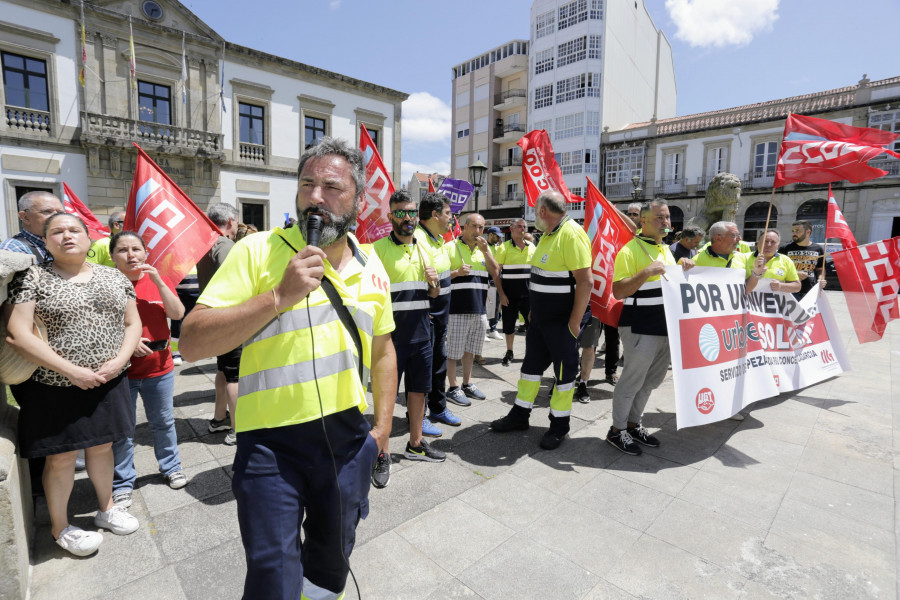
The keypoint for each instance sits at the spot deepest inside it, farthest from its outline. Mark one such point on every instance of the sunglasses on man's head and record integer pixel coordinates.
(402, 214)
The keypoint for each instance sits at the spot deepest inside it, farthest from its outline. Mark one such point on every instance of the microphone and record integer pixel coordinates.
(313, 229)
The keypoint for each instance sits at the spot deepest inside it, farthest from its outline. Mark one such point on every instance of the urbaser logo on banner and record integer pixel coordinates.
(706, 401)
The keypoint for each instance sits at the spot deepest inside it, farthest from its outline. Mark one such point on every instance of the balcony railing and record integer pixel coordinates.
(504, 129)
(503, 96)
(761, 178)
(109, 130)
(517, 198)
(507, 162)
(703, 183)
(252, 152)
(27, 120)
(621, 190)
(666, 187)
(891, 165)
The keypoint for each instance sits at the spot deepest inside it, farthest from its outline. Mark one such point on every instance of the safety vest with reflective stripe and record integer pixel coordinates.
(643, 311)
(558, 253)
(409, 291)
(306, 355)
(468, 292)
(440, 257)
(707, 257)
(515, 266)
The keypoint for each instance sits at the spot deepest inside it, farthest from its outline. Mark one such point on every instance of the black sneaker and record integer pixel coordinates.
(642, 436)
(516, 420)
(623, 441)
(381, 474)
(551, 440)
(507, 358)
(424, 452)
(219, 424)
(611, 378)
(471, 391)
(581, 393)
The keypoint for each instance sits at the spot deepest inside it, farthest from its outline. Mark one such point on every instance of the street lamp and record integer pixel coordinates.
(637, 191)
(476, 177)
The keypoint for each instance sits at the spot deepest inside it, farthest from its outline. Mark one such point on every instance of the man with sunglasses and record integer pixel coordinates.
(413, 281)
(99, 254)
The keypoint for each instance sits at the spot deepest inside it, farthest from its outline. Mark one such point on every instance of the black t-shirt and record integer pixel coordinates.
(808, 259)
(679, 252)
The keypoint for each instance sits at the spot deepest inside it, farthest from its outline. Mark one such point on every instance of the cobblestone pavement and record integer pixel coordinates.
(797, 501)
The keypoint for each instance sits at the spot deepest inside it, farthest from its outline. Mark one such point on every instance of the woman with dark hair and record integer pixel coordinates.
(78, 396)
(152, 372)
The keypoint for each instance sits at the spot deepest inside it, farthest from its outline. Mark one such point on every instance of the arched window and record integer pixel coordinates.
(755, 220)
(676, 215)
(816, 212)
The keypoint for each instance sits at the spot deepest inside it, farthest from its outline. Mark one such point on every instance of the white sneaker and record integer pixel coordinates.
(737, 417)
(78, 541)
(495, 335)
(117, 520)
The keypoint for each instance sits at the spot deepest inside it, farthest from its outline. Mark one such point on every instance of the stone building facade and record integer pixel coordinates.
(238, 143)
(677, 158)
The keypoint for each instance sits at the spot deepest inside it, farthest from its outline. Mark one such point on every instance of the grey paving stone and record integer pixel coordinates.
(452, 590)
(454, 534)
(522, 568)
(755, 506)
(196, 527)
(651, 471)
(511, 500)
(842, 499)
(580, 535)
(158, 585)
(384, 570)
(567, 468)
(214, 573)
(607, 591)
(841, 458)
(628, 503)
(204, 481)
(655, 569)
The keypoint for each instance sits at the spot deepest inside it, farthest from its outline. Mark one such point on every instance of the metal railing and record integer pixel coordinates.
(891, 165)
(621, 190)
(252, 152)
(761, 178)
(164, 137)
(504, 129)
(504, 96)
(28, 120)
(507, 162)
(669, 186)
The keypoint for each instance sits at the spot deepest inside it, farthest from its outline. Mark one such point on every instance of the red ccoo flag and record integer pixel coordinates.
(373, 222)
(74, 206)
(176, 232)
(870, 278)
(608, 233)
(821, 151)
(836, 226)
(539, 169)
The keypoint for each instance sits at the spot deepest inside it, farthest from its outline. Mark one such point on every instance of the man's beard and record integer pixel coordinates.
(334, 227)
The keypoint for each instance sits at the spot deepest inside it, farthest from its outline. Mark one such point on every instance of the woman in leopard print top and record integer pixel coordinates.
(78, 398)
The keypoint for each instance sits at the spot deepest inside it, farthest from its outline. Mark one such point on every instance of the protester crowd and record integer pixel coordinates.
(299, 318)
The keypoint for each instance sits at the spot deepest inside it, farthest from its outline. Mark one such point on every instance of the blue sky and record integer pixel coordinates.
(727, 52)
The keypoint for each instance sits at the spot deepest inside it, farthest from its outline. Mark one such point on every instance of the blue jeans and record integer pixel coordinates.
(156, 393)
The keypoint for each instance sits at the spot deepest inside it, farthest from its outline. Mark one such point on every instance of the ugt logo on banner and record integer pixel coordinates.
(176, 232)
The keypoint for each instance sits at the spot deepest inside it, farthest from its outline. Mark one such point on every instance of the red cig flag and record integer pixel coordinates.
(176, 232)
(373, 222)
(74, 206)
(821, 151)
(870, 278)
(539, 169)
(836, 225)
(608, 233)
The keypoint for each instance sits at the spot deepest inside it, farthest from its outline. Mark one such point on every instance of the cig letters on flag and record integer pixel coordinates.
(820, 151)
(539, 169)
(870, 279)
(836, 225)
(176, 232)
(373, 222)
(608, 233)
(74, 206)
(458, 191)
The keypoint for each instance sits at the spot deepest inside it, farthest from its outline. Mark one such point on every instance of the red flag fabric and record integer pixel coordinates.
(870, 278)
(821, 151)
(608, 233)
(431, 189)
(836, 226)
(373, 222)
(73, 205)
(455, 230)
(539, 169)
(176, 232)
